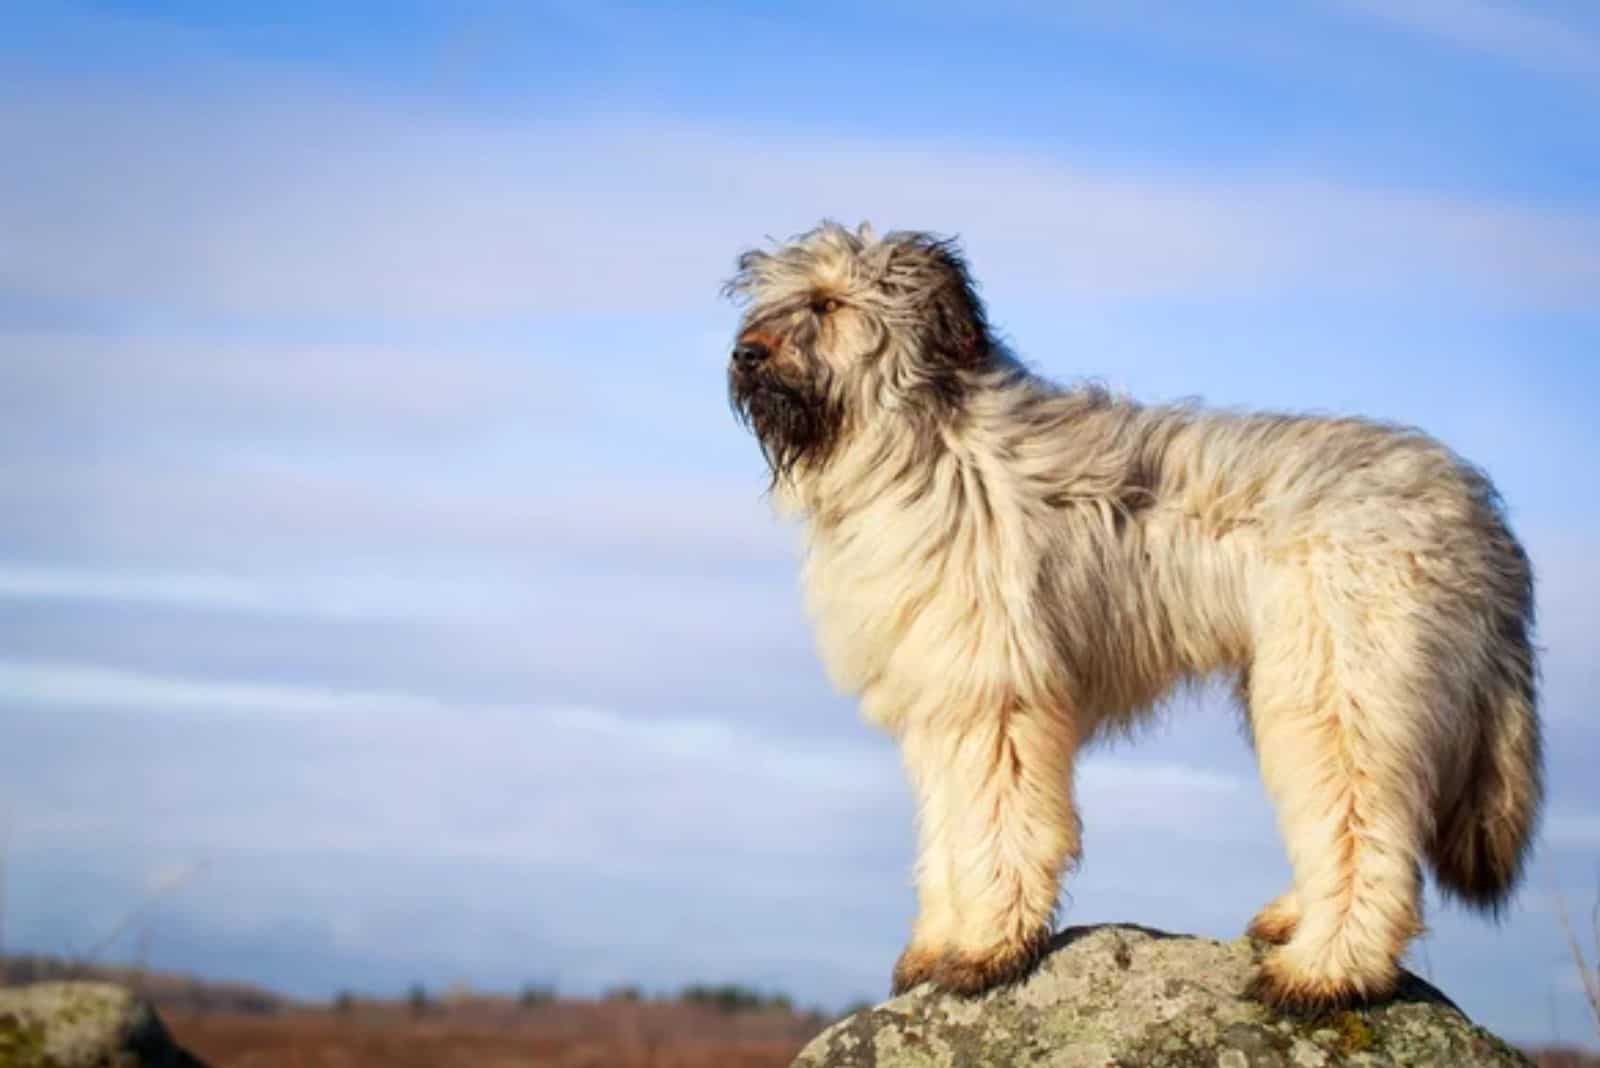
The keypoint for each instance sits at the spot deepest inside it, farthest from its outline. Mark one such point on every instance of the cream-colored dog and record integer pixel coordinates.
(1004, 570)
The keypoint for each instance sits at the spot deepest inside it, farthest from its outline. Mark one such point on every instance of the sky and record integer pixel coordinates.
(387, 594)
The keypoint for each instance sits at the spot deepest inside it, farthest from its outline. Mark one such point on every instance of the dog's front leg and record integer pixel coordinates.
(997, 827)
(938, 926)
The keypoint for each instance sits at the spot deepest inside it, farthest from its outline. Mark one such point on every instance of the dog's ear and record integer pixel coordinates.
(957, 327)
(865, 233)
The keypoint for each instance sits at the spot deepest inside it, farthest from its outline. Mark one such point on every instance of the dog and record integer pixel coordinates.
(1005, 570)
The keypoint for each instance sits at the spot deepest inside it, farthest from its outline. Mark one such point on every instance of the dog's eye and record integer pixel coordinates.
(824, 305)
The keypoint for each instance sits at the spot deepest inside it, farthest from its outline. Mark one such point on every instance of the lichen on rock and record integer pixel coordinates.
(1131, 997)
(83, 1025)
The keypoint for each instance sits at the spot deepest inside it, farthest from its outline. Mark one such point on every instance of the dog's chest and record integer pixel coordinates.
(903, 596)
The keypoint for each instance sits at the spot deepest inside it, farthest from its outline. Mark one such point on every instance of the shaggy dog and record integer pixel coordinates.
(1005, 570)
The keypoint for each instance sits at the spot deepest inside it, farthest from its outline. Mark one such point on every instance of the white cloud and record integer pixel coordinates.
(216, 510)
(343, 597)
(1519, 33)
(33, 683)
(149, 587)
(581, 769)
(358, 210)
(312, 389)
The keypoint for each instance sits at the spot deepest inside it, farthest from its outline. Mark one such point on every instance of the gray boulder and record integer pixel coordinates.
(83, 1025)
(1130, 997)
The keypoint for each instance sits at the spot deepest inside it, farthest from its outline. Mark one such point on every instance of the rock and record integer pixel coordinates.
(83, 1025)
(1130, 997)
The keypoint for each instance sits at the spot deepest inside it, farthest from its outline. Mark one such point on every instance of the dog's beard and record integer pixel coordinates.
(794, 425)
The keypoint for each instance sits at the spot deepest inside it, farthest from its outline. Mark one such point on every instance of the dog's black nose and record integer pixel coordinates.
(748, 354)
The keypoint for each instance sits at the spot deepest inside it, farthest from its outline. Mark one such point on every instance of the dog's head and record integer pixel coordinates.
(841, 327)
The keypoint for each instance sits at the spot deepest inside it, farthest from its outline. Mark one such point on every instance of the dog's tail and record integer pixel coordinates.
(1483, 835)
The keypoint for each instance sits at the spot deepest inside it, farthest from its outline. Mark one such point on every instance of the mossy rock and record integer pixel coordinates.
(1130, 997)
(83, 1025)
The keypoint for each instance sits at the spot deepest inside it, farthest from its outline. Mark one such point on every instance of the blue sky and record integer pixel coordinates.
(382, 571)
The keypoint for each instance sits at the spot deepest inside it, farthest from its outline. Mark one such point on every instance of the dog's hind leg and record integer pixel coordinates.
(1340, 742)
(999, 828)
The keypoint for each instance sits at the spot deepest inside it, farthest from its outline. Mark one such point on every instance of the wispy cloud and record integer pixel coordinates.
(109, 388)
(229, 211)
(254, 510)
(75, 684)
(1519, 33)
(572, 764)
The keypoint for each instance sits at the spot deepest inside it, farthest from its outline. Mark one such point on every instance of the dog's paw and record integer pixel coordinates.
(915, 967)
(1276, 923)
(972, 972)
(1285, 991)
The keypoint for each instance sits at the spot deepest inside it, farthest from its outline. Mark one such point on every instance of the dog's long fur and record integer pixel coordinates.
(1003, 569)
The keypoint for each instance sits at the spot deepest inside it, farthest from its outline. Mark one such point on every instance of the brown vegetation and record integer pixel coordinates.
(490, 1032)
(234, 1025)
(1564, 1058)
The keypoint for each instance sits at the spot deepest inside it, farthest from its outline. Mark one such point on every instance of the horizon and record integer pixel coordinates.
(386, 585)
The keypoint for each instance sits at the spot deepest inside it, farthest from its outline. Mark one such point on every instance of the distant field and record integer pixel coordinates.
(235, 1025)
(304, 1040)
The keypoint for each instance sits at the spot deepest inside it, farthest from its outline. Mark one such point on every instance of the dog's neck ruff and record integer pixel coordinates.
(898, 454)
